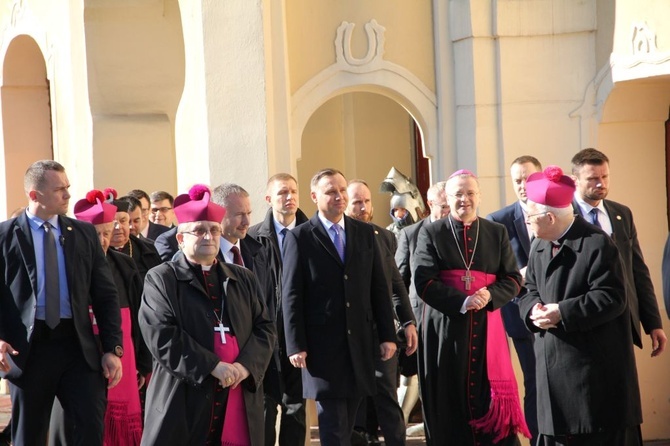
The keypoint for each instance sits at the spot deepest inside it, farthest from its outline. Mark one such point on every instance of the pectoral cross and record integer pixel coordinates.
(467, 278)
(222, 330)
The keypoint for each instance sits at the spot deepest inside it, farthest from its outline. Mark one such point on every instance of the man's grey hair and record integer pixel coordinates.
(222, 193)
(435, 190)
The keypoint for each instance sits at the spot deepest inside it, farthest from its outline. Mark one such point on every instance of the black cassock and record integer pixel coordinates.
(452, 360)
(177, 320)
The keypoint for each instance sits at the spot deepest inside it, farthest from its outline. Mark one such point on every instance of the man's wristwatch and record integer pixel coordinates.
(118, 351)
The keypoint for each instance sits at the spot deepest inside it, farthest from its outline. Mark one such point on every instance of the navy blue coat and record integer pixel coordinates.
(330, 308)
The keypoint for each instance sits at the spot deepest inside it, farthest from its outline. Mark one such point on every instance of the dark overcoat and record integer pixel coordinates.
(586, 375)
(637, 280)
(281, 377)
(89, 282)
(176, 320)
(330, 308)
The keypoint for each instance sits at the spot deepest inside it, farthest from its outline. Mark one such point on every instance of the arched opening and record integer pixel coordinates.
(364, 135)
(26, 115)
(135, 61)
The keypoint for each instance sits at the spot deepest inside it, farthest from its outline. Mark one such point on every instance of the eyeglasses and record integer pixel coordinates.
(201, 232)
(468, 195)
(537, 215)
(163, 210)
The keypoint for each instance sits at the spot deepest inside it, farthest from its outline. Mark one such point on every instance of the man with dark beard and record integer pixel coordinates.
(383, 408)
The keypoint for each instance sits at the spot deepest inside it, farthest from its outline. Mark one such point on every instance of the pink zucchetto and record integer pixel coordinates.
(550, 188)
(196, 206)
(94, 209)
(462, 172)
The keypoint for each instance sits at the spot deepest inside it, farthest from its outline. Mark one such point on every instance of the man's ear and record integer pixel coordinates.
(267, 200)
(32, 195)
(313, 195)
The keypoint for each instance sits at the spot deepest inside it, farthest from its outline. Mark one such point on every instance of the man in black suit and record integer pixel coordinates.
(383, 408)
(282, 383)
(335, 293)
(148, 230)
(590, 171)
(52, 273)
(436, 198)
(513, 217)
(665, 274)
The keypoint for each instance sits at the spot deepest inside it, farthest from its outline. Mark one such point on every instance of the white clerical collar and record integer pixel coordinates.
(564, 232)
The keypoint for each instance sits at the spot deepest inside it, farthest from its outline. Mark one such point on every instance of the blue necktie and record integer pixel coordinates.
(51, 280)
(281, 242)
(337, 240)
(594, 217)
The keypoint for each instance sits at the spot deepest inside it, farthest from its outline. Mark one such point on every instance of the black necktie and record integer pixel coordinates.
(594, 217)
(237, 258)
(51, 280)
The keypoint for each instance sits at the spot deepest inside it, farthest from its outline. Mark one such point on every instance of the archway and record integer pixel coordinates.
(26, 115)
(363, 134)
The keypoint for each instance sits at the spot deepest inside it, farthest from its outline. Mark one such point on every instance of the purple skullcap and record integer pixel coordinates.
(462, 172)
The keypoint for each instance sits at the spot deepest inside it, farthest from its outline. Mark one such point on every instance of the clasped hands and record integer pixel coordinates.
(230, 375)
(544, 316)
(478, 300)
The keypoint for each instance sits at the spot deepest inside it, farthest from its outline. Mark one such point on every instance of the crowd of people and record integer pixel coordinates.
(148, 319)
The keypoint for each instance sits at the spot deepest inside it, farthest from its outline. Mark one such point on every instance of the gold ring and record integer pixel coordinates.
(229, 380)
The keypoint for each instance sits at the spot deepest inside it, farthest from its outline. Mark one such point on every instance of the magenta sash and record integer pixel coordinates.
(505, 416)
(235, 424)
(123, 417)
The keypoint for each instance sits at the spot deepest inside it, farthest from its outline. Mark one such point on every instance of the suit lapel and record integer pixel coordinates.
(521, 228)
(25, 242)
(616, 221)
(69, 242)
(323, 238)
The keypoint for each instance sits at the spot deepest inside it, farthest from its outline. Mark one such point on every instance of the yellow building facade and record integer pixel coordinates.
(161, 94)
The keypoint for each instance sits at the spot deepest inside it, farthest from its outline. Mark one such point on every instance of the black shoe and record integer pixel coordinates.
(358, 438)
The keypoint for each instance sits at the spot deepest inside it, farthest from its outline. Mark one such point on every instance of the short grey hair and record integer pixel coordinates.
(222, 192)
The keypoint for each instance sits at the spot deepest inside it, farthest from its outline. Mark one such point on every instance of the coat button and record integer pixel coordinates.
(346, 277)
(348, 304)
(348, 331)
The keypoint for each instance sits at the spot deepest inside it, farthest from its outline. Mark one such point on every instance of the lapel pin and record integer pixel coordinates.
(618, 217)
(69, 228)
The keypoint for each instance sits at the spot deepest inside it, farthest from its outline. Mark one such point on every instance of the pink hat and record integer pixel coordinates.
(550, 188)
(196, 206)
(94, 209)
